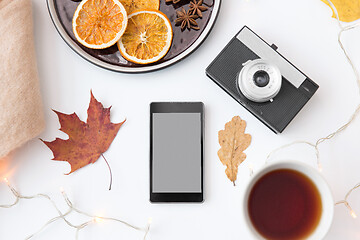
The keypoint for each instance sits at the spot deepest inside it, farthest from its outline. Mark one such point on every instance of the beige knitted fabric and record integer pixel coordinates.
(21, 115)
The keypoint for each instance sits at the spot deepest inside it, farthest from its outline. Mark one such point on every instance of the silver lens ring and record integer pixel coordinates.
(259, 80)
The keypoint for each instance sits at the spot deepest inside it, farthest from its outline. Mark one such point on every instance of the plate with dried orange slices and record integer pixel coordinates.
(134, 35)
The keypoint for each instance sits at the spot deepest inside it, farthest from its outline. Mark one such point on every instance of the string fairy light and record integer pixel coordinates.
(251, 169)
(346, 203)
(99, 219)
(294, 143)
(355, 113)
(315, 145)
(71, 208)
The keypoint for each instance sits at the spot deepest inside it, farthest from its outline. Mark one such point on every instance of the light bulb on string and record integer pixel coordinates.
(352, 213)
(251, 169)
(320, 167)
(98, 220)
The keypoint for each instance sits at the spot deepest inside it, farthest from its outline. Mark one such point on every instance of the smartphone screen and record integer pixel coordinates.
(176, 160)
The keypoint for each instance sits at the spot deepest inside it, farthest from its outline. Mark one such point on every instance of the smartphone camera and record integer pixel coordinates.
(261, 80)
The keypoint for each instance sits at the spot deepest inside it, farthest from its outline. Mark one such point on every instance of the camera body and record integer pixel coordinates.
(261, 80)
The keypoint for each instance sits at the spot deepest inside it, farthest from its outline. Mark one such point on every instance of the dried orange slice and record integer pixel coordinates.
(147, 38)
(99, 24)
(135, 5)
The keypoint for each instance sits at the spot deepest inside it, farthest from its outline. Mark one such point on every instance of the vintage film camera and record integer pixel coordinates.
(261, 79)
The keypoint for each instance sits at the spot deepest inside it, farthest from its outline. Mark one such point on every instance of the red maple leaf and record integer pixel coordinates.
(87, 141)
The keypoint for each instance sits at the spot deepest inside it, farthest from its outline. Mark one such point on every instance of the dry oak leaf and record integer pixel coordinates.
(87, 141)
(348, 10)
(233, 142)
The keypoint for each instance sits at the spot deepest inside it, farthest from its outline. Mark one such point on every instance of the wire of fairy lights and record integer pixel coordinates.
(71, 208)
(346, 203)
(343, 127)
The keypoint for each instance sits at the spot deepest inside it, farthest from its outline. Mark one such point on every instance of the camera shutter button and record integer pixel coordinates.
(273, 46)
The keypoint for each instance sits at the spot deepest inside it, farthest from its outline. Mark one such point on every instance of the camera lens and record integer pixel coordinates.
(261, 78)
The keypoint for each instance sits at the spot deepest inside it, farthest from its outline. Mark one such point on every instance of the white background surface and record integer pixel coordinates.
(304, 32)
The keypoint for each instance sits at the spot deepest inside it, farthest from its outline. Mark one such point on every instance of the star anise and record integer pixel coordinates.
(186, 20)
(172, 1)
(196, 7)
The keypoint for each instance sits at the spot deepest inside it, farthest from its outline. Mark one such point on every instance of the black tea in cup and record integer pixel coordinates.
(284, 204)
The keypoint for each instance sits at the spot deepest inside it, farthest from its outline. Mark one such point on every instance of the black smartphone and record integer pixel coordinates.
(176, 151)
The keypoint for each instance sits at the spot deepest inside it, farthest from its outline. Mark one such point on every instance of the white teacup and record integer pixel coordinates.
(326, 197)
